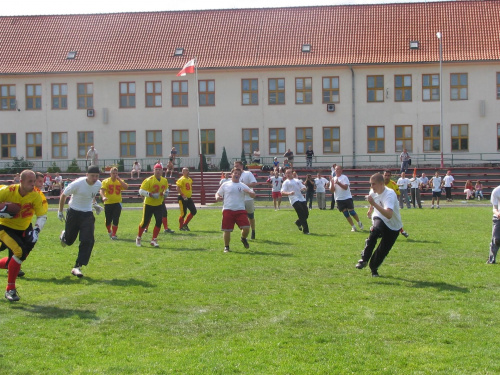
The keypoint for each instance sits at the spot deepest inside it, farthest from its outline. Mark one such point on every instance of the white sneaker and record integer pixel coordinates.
(61, 238)
(353, 229)
(138, 242)
(361, 225)
(114, 237)
(77, 272)
(154, 243)
(437, 206)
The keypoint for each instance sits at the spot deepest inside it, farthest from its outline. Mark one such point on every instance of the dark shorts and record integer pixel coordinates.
(436, 194)
(346, 204)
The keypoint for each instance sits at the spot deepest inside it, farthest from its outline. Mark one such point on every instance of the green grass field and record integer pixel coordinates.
(291, 304)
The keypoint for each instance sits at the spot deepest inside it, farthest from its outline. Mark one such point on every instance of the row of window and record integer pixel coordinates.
(376, 92)
(376, 140)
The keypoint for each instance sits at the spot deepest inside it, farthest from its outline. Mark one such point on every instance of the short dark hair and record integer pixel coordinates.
(93, 169)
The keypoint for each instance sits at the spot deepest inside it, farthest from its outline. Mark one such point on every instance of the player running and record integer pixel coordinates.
(111, 194)
(276, 181)
(185, 190)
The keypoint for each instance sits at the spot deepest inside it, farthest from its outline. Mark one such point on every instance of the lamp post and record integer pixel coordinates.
(440, 37)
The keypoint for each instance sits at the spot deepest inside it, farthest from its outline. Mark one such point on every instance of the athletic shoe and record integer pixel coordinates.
(437, 207)
(110, 234)
(61, 238)
(361, 226)
(298, 225)
(114, 237)
(154, 243)
(353, 229)
(245, 243)
(432, 207)
(405, 233)
(361, 264)
(138, 242)
(375, 274)
(252, 237)
(489, 261)
(77, 272)
(168, 230)
(12, 295)
(186, 228)
(305, 232)
(226, 249)
(21, 273)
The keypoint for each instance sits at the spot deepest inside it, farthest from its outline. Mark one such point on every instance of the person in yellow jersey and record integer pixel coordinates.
(111, 194)
(185, 191)
(153, 189)
(16, 232)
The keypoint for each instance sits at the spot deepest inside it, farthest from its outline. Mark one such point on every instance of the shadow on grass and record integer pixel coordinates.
(89, 280)
(53, 312)
(421, 241)
(189, 249)
(429, 284)
(251, 252)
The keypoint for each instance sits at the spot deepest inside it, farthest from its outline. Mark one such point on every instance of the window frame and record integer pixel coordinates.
(250, 91)
(10, 100)
(459, 138)
(85, 96)
(304, 142)
(403, 88)
(86, 144)
(331, 140)
(276, 92)
(155, 143)
(63, 147)
(330, 90)
(458, 87)
(404, 139)
(178, 145)
(431, 87)
(37, 105)
(278, 141)
(431, 138)
(36, 146)
(205, 144)
(180, 94)
(251, 142)
(63, 98)
(154, 95)
(128, 96)
(206, 93)
(8, 146)
(375, 89)
(129, 144)
(376, 139)
(304, 91)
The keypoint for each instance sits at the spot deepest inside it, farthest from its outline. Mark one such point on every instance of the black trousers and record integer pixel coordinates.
(83, 223)
(388, 238)
(303, 213)
(186, 205)
(309, 198)
(448, 192)
(112, 212)
(149, 211)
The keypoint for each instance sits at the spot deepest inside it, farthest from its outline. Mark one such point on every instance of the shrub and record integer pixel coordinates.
(224, 162)
(73, 167)
(53, 168)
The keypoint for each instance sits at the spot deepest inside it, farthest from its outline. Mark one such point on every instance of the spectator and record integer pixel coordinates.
(468, 190)
(256, 156)
(479, 190)
(289, 156)
(405, 161)
(136, 169)
(309, 157)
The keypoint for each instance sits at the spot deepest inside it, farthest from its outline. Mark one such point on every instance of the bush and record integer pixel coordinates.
(54, 168)
(121, 165)
(73, 167)
(19, 165)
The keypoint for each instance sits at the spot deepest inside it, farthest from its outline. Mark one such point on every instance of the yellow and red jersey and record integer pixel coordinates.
(185, 185)
(31, 204)
(45, 204)
(392, 185)
(112, 191)
(153, 185)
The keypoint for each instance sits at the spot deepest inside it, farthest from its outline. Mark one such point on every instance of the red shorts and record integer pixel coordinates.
(276, 194)
(229, 218)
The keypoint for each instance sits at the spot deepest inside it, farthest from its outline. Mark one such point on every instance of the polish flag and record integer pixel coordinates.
(187, 69)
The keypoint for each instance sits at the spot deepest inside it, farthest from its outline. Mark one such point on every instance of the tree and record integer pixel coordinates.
(224, 162)
(205, 164)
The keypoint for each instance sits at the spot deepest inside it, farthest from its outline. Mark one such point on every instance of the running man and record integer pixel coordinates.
(249, 180)
(340, 187)
(276, 181)
(111, 194)
(292, 189)
(185, 191)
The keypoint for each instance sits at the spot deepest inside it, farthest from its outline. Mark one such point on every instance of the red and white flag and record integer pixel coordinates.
(187, 69)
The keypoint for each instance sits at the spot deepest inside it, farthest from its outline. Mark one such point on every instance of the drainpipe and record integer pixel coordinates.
(353, 118)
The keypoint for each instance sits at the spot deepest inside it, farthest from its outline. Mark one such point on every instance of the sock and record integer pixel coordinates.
(14, 268)
(181, 221)
(156, 230)
(188, 218)
(141, 231)
(108, 227)
(114, 229)
(3, 263)
(164, 220)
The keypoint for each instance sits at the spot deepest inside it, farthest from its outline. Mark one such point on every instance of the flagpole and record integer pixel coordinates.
(202, 192)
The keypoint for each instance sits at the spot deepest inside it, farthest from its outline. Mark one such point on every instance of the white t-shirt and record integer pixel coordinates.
(320, 184)
(495, 196)
(224, 180)
(276, 182)
(388, 199)
(448, 180)
(341, 194)
(82, 194)
(58, 179)
(415, 182)
(296, 187)
(403, 183)
(436, 183)
(424, 180)
(234, 195)
(247, 178)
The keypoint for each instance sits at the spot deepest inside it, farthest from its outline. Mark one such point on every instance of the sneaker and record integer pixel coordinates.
(437, 207)
(77, 272)
(186, 228)
(361, 226)
(61, 238)
(154, 243)
(305, 232)
(138, 242)
(405, 233)
(12, 295)
(298, 226)
(361, 264)
(375, 274)
(245, 243)
(432, 207)
(226, 249)
(489, 261)
(353, 229)
(110, 234)
(114, 237)
(252, 237)
(168, 230)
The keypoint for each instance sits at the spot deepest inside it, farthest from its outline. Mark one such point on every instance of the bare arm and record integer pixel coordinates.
(62, 201)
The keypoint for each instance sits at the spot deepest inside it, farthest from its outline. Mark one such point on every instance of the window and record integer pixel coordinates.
(179, 93)
(277, 140)
(34, 145)
(402, 88)
(375, 88)
(181, 142)
(153, 94)
(127, 94)
(153, 143)
(59, 96)
(7, 97)
(498, 86)
(207, 92)
(60, 145)
(249, 92)
(33, 97)
(432, 138)
(85, 140)
(127, 144)
(331, 90)
(85, 95)
(331, 140)
(459, 86)
(8, 145)
(303, 139)
(208, 142)
(303, 90)
(250, 140)
(276, 91)
(404, 138)
(376, 139)
(430, 87)
(460, 137)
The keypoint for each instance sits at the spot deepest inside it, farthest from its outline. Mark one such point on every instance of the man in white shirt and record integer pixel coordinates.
(403, 183)
(339, 185)
(386, 225)
(249, 180)
(321, 183)
(448, 184)
(93, 156)
(233, 210)
(424, 182)
(415, 184)
(79, 217)
(436, 183)
(276, 181)
(495, 233)
(405, 160)
(292, 188)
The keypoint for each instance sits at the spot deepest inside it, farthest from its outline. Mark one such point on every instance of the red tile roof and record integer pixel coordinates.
(348, 34)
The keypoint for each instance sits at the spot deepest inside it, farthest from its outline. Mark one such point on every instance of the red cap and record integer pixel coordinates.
(158, 166)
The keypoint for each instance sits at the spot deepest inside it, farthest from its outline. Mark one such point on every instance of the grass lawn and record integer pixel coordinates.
(291, 304)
